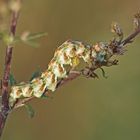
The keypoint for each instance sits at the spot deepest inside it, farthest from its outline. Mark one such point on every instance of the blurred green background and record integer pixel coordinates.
(85, 109)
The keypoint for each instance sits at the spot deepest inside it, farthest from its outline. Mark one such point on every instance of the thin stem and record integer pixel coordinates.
(130, 37)
(8, 58)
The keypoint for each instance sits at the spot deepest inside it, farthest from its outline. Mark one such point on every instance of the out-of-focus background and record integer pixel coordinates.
(84, 109)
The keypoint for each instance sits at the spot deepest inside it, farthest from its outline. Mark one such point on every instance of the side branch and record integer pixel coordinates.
(74, 74)
(130, 37)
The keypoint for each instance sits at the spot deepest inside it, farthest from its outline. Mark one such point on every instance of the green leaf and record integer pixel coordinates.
(35, 75)
(44, 96)
(30, 110)
(29, 39)
(6, 37)
(103, 73)
(32, 43)
(12, 80)
(36, 35)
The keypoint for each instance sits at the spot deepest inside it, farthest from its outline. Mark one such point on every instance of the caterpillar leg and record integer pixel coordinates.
(111, 63)
(89, 72)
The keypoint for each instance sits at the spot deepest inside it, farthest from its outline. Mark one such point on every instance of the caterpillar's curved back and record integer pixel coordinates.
(69, 53)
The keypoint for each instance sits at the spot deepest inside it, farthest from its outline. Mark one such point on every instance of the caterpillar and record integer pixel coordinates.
(68, 54)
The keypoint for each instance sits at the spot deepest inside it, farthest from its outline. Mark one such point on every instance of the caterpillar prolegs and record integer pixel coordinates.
(69, 53)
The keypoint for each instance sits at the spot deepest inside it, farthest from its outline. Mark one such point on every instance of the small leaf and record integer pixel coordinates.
(103, 73)
(35, 75)
(12, 80)
(30, 110)
(36, 36)
(32, 43)
(7, 39)
(44, 96)
(29, 39)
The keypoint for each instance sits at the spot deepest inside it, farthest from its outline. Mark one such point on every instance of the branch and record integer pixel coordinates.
(74, 74)
(8, 58)
(130, 37)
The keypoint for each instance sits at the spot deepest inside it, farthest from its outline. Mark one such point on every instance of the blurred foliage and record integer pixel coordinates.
(104, 109)
(30, 110)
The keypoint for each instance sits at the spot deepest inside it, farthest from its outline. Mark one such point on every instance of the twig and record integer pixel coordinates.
(74, 74)
(130, 37)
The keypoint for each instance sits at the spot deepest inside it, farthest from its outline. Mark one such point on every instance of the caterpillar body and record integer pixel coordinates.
(69, 53)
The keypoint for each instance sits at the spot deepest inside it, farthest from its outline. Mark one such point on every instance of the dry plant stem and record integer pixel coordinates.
(8, 58)
(130, 37)
(74, 74)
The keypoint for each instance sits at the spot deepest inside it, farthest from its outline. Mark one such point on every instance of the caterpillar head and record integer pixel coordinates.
(99, 52)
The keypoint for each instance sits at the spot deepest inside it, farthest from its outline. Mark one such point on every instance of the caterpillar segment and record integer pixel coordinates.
(69, 53)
